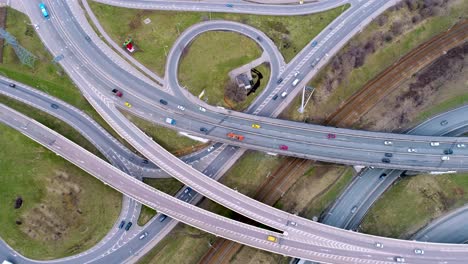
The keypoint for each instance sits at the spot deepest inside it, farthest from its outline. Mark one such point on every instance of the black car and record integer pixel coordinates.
(448, 151)
(275, 97)
(386, 160)
(12, 85)
(127, 227)
(383, 175)
(54, 106)
(162, 218)
(88, 38)
(443, 122)
(145, 161)
(162, 101)
(203, 129)
(279, 80)
(121, 224)
(259, 39)
(389, 155)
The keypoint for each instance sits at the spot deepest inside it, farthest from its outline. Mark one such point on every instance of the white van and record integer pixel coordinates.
(295, 82)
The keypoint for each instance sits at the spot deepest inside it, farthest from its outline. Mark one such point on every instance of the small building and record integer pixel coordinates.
(244, 81)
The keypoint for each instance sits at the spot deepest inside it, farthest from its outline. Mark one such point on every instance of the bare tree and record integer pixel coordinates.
(234, 92)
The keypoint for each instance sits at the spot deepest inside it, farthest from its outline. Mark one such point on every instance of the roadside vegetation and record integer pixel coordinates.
(437, 88)
(414, 202)
(169, 186)
(316, 190)
(382, 43)
(64, 211)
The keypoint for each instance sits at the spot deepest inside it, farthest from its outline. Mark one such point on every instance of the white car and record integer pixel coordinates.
(418, 251)
(412, 150)
(387, 143)
(36, 26)
(181, 107)
(210, 149)
(143, 235)
(445, 158)
(378, 245)
(461, 145)
(399, 259)
(296, 73)
(435, 144)
(202, 109)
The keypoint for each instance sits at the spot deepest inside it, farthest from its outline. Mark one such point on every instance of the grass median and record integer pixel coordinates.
(64, 210)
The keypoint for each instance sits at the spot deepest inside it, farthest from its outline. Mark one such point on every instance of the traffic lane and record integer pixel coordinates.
(367, 202)
(353, 196)
(275, 58)
(296, 143)
(450, 228)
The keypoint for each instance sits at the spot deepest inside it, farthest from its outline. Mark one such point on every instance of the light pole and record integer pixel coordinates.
(177, 27)
(165, 50)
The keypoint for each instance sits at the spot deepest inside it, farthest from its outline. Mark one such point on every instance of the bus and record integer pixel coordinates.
(44, 10)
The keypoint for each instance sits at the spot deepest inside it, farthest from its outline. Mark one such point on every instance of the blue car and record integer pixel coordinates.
(229, 5)
(44, 10)
(314, 43)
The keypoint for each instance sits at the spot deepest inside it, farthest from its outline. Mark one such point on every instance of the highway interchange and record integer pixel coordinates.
(103, 102)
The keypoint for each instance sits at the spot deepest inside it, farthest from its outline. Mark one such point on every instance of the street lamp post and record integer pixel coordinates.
(165, 50)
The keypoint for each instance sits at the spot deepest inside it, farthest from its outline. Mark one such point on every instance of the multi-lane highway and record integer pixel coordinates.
(312, 247)
(370, 184)
(94, 79)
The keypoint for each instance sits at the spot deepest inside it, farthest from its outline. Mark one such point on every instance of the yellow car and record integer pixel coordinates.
(127, 104)
(255, 125)
(272, 239)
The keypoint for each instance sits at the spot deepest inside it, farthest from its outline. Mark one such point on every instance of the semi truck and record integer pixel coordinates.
(235, 136)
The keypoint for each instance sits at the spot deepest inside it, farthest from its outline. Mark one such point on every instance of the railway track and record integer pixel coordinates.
(388, 80)
(274, 187)
(271, 190)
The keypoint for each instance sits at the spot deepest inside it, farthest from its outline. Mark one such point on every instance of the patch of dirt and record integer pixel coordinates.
(58, 213)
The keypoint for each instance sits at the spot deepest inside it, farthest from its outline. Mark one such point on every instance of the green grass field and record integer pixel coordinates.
(210, 58)
(377, 62)
(154, 40)
(169, 186)
(413, 202)
(65, 211)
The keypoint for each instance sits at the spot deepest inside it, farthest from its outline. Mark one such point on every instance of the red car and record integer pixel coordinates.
(283, 147)
(117, 92)
(331, 136)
